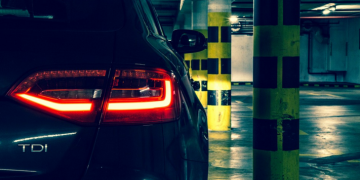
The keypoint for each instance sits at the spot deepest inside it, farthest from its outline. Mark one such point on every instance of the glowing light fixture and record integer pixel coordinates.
(326, 11)
(233, 19)
(235, 29)
(333, 8)
(344, 7)
(326, 6)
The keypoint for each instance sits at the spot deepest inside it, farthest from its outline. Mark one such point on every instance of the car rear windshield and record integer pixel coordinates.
(69, 14)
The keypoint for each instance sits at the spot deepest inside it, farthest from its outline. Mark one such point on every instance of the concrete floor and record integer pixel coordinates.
(329, 136)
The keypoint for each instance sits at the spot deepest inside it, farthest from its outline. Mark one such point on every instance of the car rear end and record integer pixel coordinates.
(48, 67)
(78, 100)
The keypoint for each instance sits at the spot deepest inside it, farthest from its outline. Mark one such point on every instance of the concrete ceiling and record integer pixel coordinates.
(169, 10)
(308, 8)
(343, 8)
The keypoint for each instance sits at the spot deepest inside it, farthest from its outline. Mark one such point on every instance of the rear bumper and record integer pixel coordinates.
(142, 152)
(106, 173)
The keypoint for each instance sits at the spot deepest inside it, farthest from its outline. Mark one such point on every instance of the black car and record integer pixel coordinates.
(92, 89)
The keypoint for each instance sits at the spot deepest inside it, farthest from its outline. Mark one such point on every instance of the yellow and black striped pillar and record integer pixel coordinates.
(276, 89)
(199, 61)
(199, 71)
(219, 65)
(187, 58)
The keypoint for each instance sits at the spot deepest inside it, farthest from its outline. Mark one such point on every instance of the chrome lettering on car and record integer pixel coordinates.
(34, 147)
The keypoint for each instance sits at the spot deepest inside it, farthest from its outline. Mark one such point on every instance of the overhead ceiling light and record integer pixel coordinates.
(326, 6)
(235, 29)
(326, 11)
(332, 8)
(233, 19)
(181, 4)
(351, 6)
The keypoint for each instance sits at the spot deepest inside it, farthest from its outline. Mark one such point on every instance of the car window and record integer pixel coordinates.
(156, 20)
(149, 17)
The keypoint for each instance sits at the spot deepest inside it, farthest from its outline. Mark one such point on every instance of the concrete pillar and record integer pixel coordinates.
(188, 25)
(219, 65)
(199, 59)
(276, 89)
(188, 21)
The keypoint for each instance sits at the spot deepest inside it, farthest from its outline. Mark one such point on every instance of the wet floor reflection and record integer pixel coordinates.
(329, 138)
(226, 157)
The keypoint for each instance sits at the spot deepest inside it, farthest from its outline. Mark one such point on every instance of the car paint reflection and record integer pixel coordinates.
(44, 136)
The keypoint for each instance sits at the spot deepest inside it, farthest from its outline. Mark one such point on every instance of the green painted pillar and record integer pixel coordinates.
(276, 89)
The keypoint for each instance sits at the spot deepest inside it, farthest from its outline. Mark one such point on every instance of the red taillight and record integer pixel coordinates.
(56, 104)
(142, 96)
(71, 94)
(143, 103)
(137, 96)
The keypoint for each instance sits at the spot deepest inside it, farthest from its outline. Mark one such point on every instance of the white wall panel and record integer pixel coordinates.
(241, 58)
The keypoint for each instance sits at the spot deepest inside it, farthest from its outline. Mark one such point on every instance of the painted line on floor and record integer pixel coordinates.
(312, 155)
(331, 85)
(241, 83)
(322, 156)
(316, 94)
(301, 132)
(307, 85)
(337, 152)
(250, 107)
(334, 151)
(333, 95)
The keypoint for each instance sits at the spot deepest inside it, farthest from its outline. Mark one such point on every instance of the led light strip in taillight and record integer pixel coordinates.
(74, 94)
(57, 106)
(144, 105)
(137, 96)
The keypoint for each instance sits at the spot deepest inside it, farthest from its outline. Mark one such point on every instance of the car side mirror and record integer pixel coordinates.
(188, 41)
(195, 84)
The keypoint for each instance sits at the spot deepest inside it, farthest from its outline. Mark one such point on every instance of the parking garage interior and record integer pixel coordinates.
(328, 77)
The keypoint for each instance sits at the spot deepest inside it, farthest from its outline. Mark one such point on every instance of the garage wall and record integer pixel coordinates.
(319, 56)
(304, 76)
(338, 51)
(241, 58)
(340, 56)
(329, 60)
(353, 66)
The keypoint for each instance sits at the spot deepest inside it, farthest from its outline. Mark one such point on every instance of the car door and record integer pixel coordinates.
(195, 133)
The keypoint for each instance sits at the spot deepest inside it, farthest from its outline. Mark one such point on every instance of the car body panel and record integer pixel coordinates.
(27, 51)
(173, 150)
(68, 145)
